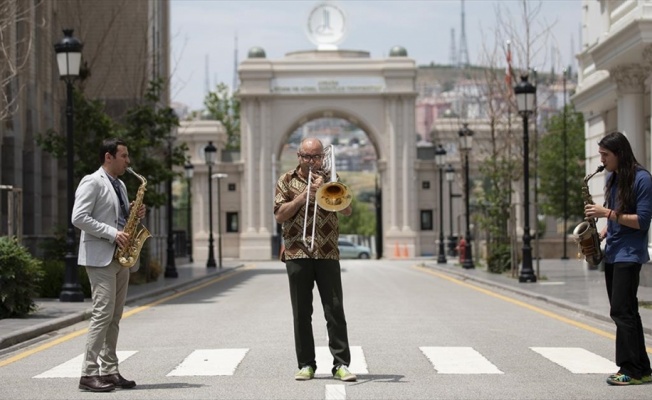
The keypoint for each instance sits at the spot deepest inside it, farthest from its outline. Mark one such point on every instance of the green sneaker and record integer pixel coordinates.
(305, 374)
(622, 379)
(646, 379)
(342, 373)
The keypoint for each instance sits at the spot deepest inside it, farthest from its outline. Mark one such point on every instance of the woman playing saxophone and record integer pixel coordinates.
(628, 208)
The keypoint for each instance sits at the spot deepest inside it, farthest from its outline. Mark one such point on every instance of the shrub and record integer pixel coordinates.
(499, 260)
(146, 273)
(20, 274)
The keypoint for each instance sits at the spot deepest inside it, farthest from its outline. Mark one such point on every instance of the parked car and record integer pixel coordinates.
(351, 250)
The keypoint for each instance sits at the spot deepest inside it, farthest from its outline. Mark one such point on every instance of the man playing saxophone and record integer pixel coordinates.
(628, 209)
(100, 210)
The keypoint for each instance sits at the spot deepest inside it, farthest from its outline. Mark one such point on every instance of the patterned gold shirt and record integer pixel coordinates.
(327, 231)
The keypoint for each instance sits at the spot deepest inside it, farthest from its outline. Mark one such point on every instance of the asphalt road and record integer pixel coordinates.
(415, 333)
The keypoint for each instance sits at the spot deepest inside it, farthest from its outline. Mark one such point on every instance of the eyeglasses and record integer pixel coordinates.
(308, 157)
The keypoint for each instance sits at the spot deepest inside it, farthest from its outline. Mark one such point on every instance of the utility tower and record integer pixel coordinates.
(453, 51)
(463, 59)
(235, 64)
(207, 83)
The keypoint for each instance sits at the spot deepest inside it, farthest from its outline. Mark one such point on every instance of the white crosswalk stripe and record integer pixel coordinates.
(577, 360)
(459, 360)
(72, 367)
(210, 362)
(445, 360)
(324, 360)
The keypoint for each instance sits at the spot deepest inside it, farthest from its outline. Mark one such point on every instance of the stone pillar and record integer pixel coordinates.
(630, 80)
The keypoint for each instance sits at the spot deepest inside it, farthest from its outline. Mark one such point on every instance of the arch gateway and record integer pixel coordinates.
(276, 98)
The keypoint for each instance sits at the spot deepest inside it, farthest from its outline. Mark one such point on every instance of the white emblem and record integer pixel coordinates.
(326, 26)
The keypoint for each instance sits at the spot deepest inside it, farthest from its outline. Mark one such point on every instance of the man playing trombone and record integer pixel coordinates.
(298, 204)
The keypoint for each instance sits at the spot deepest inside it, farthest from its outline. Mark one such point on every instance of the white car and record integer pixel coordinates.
(351, 250)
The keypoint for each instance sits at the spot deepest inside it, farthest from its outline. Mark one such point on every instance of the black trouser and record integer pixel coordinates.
(302, 274)
(622, 286)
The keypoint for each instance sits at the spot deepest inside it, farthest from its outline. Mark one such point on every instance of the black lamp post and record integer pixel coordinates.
(219, 178)
(68, 52)
(466, 136)
(565, 158)
(440, 160)
(209, 154)
(525, 94)
(170, 267)
(189, 168)
(450, 175)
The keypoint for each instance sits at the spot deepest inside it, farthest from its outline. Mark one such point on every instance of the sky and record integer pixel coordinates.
(203, 34)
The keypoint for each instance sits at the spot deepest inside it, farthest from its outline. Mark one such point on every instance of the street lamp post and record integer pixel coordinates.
(525, 95)
(68, 52)
(219, 178)
(440, 160)
(466, 136)
(565, 158)
(170, 267)
(450, 175)
(189, 168)
(209, 154)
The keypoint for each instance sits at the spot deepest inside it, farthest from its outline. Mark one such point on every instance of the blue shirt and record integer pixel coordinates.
(625, 244)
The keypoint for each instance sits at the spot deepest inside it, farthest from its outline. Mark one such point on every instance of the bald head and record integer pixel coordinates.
(311, 146)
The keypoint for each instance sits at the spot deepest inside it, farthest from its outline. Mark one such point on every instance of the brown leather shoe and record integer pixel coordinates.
(118, 380)
(95, 384)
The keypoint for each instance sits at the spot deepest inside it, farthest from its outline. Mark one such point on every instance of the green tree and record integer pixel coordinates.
(551, 165)
(361, 222)
(225, 107)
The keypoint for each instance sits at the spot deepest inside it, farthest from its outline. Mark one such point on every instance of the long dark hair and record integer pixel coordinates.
(617, 143)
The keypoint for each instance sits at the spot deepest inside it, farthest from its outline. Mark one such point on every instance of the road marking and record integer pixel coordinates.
(210, 362)
(72, 367)
(324, 360)
(522, 304)
(335, 392)
(577, 360)
(72, 335)
(459, 360)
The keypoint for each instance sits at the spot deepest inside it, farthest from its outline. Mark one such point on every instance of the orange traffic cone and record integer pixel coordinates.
(397, 252)
(405, 251)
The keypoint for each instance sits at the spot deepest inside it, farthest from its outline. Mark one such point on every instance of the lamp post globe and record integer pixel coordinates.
(68, 52)
(450, 176)
(209, 155)
(189, 171)
(525, 94)
(440, 160)
(466, 143)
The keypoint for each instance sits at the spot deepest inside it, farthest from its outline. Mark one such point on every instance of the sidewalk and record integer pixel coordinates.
(565, 283)
(52, 314)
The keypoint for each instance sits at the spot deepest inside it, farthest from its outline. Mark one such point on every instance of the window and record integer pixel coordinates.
(425, 185)
(231, 187)
(232, 222)
(426, 220)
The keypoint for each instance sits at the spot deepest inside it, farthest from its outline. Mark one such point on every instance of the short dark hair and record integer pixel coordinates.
(110, 146)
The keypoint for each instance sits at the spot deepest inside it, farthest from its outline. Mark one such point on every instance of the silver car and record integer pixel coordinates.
(351, 250)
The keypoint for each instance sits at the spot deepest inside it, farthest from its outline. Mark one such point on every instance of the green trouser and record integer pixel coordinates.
(302, 275)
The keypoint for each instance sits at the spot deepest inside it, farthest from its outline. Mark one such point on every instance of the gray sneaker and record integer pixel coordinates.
(305, 374)
(342, 373)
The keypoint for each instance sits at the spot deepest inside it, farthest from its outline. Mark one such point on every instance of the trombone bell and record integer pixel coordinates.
(333, 196)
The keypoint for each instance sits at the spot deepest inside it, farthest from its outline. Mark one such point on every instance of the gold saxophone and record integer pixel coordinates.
(586, 233)
(138, 234)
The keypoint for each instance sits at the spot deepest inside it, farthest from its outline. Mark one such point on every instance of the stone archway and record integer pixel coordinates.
(277, 96)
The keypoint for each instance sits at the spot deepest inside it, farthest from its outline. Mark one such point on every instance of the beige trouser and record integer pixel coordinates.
(109, 290)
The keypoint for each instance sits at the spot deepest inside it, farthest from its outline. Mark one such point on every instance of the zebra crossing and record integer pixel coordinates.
(444, 360)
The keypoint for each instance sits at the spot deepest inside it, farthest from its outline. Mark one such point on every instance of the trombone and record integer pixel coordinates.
(333, 196)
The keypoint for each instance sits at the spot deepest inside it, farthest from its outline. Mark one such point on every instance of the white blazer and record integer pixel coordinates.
(95, 212)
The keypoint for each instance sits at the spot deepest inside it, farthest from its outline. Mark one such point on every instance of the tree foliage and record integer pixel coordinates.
(551, 165)
(225, 107)
(361, 222)
(147, 128)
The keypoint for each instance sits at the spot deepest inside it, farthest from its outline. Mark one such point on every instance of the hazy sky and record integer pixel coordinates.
(202, 29)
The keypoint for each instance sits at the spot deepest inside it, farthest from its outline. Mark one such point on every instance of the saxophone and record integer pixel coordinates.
(586, 233)
(128, 255)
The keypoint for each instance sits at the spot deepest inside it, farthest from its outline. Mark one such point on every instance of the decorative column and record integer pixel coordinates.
(630, 80)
